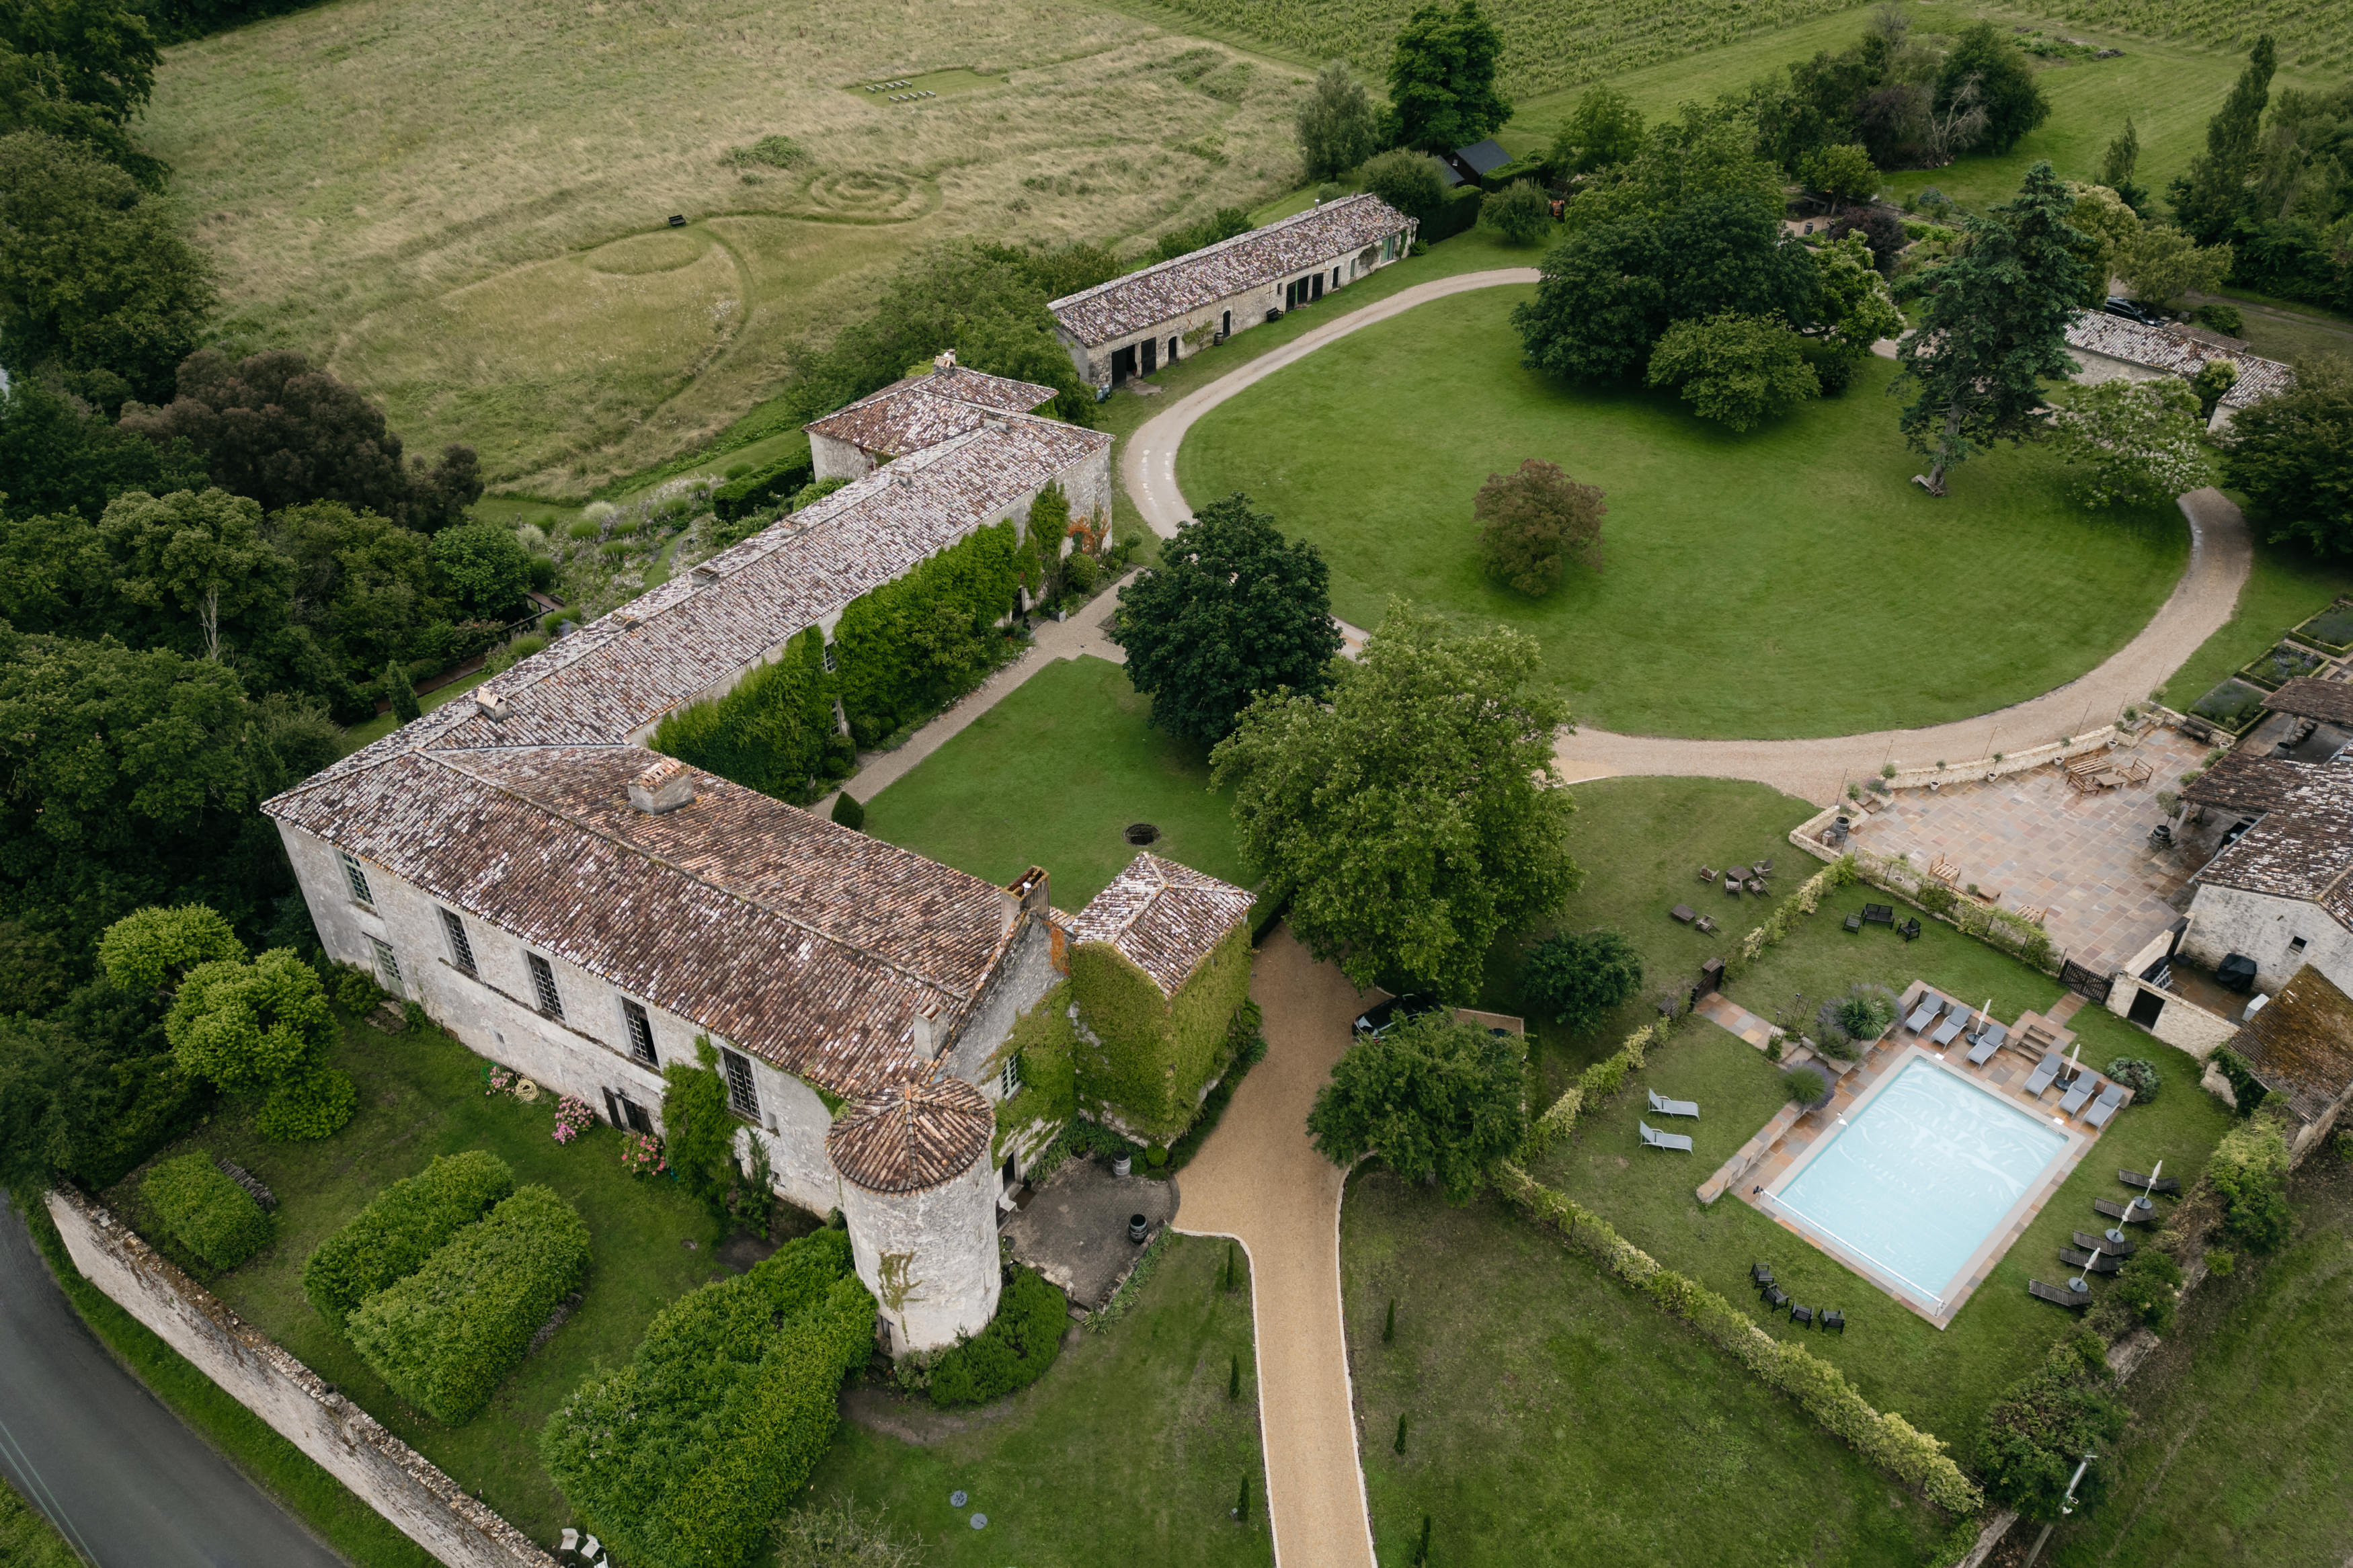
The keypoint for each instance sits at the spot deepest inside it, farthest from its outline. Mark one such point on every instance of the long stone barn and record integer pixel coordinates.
(1134, 324)
(579, 908)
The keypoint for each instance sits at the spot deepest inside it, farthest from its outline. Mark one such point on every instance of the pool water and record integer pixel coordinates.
(1922, 1174)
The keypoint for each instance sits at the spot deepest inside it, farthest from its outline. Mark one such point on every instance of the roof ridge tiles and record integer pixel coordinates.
(1291, 220)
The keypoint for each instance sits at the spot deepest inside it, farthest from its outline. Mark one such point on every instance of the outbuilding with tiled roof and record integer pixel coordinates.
(2281, 892)
(2109, 348)
(921, 411)
(2299, 1046)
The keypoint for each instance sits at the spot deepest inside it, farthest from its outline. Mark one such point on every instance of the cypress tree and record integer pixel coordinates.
(401, 693)
(1241, 1503)
(1389, 1326)
(2117, 173)
(1234, 1380)
(1228, 1284)
(848, 812)
(2208, 198)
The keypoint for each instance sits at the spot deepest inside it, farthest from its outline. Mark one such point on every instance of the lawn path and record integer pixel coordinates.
(1258, 1179)
(2221, 557)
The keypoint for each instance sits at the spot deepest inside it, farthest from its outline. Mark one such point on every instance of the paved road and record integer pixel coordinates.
(117, 1471)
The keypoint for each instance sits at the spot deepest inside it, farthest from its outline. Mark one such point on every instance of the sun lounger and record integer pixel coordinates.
(2078, 1097)
(2126, 1214)
(1763, 868)
(2125, 1248)
(1673, 1106)
(2051, 1062)
(2138, 1179)
(1682, 914)
(1988, 1042)
(1654, 1139)
(2112, 1099)
(1956, 1024)
(1757, 886)
(2054, 1295)
(2097, 1262)
(1833, 1321)
(1802, 1316)
(1925, 1013)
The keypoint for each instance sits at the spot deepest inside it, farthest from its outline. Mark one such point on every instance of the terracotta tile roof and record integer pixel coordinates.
(914, 1135)
(2309, 697)
(804, 944)
(1231, 267)
(2303, 847)
(2300, 1044)
(926, 410)
(2243, 781)
(1162, 917)
(2096, 332)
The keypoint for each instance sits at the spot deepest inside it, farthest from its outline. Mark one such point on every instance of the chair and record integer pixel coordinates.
(1925, 1013)
(1706, 875)
(2080, 1094)
(1775, 1299)
(1763, 868)
(2056, 1297)
(2033, 914)
(1956, 1024)
(2124, 1249)
(2051, 1062)
(1910, 931)
(1989, 1041)
(2097, 1261)
(1654, 1139)
(2161, 1184)
(1760, 1275)
(1757, 886)
(2126, 1214)
(1732, 887)
(1833, 1321)
(1674, 1107)
(1854, 922)
(1706, 924)
(1945, 871)
(2138, 771)
(1682, 914)
(1802, 1316)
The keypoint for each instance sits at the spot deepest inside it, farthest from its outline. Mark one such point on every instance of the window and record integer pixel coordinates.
(387, 966)
(641, 1033)
(542, 981)
(2295, 947)
(461, 952)
(832, 658)
(355, 875)
(743, 1094)
(1008, 1078)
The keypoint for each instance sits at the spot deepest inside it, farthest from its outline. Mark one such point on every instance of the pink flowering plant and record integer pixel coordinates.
(501, 1080)
(641, 1154)
(573, 1117)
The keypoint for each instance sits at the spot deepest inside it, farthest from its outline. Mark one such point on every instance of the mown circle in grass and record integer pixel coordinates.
(663, 251)
(866, 193)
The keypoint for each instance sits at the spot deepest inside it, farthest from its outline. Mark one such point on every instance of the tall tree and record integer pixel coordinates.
(1412, 817)
(2132, 443)
(2117, 165)
(1339, 128)
(1603, 132)
(1436, 1100)
(2162, 265)
(80, 70)
(2211, 195)
(1233, 609)
(1443, 78)
(1532, 520)
(1995, 330)
(59, 455)
(199, 567)
(2291, 454)
(2006, 88)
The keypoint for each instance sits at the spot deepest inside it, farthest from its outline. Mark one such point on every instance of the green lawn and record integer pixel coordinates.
(2289, 583)
(1052, 776)
(1791, 581)
(1128, 1451)
(421, 1094)
(26, 1540)
(2240, 1450)
(1555, 1416)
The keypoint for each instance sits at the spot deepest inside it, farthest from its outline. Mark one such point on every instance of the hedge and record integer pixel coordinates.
(1456, 211)
(445, 1336)
(684, 1458)
(406, 1223)
(1889, 1441)
(205, 1212)
(738, 497)
(1013, 1352)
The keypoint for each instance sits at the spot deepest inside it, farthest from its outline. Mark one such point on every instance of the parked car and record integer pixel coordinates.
(1379, 1019)
(2134, 310)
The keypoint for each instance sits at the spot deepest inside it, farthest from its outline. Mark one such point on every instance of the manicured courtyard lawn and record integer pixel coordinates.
(1052, 776)
(2289, 583)
(1127, 1451)
(2239, 1450)
(1555, 1416)
(1789, 582)
(421, 1094)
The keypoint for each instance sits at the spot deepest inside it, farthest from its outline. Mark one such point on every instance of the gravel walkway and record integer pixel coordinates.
(1258, 1180)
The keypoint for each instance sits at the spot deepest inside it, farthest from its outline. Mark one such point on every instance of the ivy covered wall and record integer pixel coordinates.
(914, 645)
(1151, 1057)
(1042, 1038)
(774, 733)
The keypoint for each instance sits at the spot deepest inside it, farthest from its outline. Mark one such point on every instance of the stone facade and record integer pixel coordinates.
(2267, 928)
(386, 1473)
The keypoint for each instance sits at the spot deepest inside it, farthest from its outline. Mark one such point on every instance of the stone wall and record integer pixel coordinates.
(386, 1473)
(2262, 926)
(2182, 1024)
(929, 1256)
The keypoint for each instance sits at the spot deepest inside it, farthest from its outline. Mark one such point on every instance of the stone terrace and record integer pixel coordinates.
(2031, 839)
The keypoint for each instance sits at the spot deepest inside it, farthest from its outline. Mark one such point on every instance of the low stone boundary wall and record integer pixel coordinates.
(386, 1473)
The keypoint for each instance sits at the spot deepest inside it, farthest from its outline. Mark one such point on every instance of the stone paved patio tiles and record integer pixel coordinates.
(1720, 1009)
(2033, 840)
(2006, 1074)
(1074, 1228)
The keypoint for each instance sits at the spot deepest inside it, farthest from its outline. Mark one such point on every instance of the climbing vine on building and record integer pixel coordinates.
(915, 644)
(774, 733)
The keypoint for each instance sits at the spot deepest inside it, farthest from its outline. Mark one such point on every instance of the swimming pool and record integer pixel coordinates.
(1922, 1176)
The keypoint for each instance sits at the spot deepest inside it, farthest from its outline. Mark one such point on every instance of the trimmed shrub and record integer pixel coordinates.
(400, 1228)
(2248, 1173)
(684, 1458)
(445, 1336)
(356, 990)
(205, 1212)
(2046, 1422)
(311, 1103)
(740, 496)
(848, 812)
(2138, 1075)
(1808, 1085)
(1577, 979)
(1013, 1352)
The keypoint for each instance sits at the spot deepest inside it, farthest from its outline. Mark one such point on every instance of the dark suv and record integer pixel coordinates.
(2134, 310)
(1379, 1019)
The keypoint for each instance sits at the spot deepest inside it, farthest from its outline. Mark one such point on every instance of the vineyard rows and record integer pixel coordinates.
(2313, 35)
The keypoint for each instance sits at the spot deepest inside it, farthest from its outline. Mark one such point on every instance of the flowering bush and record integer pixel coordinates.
(641, 1154)
(573, 1117)
(501, 1080)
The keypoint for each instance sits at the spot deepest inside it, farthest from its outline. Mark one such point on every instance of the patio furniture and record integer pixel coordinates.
(2138, 771)
(1910, 931)
(1736, 873)
(1763, 868)
(1654, 1139)
(1879, 914)
(1988, 1042)
(1706, 924)
(1757, 886)
(1802, 1316)
(2160, 1185)
(1682, 914)
(1925, 1013)
(1956, 1024)
(1706, 875)
(1775, 1299)
(1733, 886)
(2051, 1062)
(1760, 1275)
(1945, 871)
(2115, 1242)
(1833, 1321)
(2097, 1260)
(2112, 1099)
(2079, 1096)
(2033, 913)
(1854, 922)
(2056, 1297)
(1665, 1107)
(2126, 1214)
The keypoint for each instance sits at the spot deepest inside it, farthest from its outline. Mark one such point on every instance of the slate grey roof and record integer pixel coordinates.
(922, 411)
(2096, 332)
(2300, 1044)
(914, 1135)
(1484, 157)
(2302, 848)
(1162, 917)
(1287, 245)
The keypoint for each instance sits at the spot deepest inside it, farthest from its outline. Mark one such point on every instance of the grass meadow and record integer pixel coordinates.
(1787, 582)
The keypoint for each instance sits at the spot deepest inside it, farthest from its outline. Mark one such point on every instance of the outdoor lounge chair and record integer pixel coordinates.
(1763, 868)
(1654, 1139)
(1956, 1024)
(1946, 871)
(2098, 1262)
(1925, 1013)
(1879, 914)
(2112, 1099)
(1802, 1316)
(1707, 874)
(1760, 1275)
(1757, 886)
(2140, 1179)
(2138, 771)
(1989, 1041)
(1833, 1321)
(2057, 1297)
(1775, 1298)
(2115, 1248)
(2126, 1214)
(2051, 1062)
(2080, 1094)
(1909, 930)
(1674, 1107)
(1705, 923)
(2033, 914)
(1732, 887)
(1682, 914)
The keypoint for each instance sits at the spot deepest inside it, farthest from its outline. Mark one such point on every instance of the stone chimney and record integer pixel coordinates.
(931, 1035)
(664, 786)
(1024, 895)
(490, 702)
(943, 359)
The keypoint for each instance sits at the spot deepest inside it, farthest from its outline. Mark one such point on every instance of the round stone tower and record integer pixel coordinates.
(919, 1196)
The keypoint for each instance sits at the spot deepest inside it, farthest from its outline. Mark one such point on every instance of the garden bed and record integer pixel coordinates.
(2282, 664)
(2232, 707)
(2331, 630)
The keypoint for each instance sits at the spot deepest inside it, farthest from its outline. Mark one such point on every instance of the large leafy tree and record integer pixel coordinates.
(197, 568)
(2291, 454)
(1436, 1100)
(483, 568)
(91, 1089)
(1996, 328)
(1603, 132)
(2209, 196)
(94, 273)
(80, 70)
(1711, 152)
(2006, 88)
(1414, 817)
(1233, 609)
(1339, 128)
(361, 583)
(2163, 264)
(1577, 978)
(1740, 371)
(1408, 181)
(57, 455)
(264, 1029)
(2132, 443)
(1443, 78)
(1532, 520)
